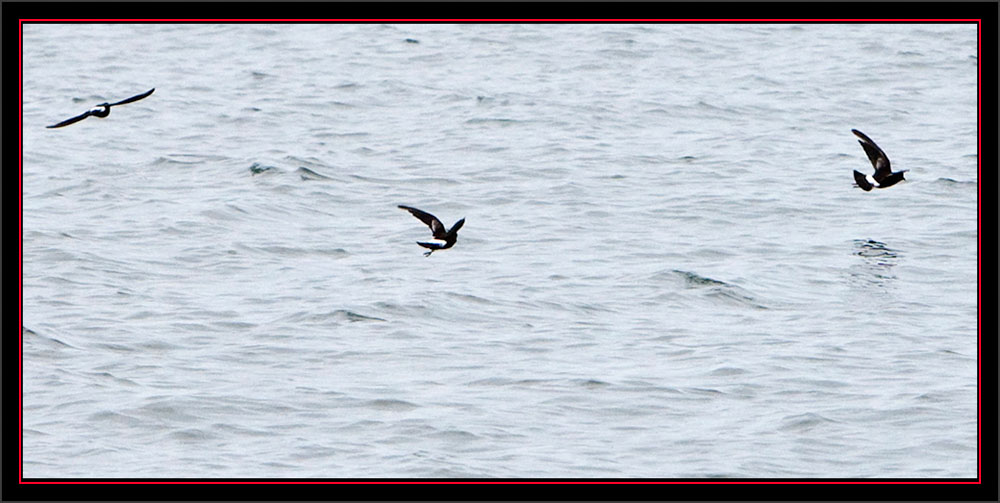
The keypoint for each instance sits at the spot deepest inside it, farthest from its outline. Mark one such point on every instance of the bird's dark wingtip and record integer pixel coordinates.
(864, 138)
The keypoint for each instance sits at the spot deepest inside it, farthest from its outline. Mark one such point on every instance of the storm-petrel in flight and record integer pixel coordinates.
(101, 112)
(883, 177)
(437, 228)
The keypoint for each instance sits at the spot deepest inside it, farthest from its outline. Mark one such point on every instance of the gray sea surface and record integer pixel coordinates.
(665, 269)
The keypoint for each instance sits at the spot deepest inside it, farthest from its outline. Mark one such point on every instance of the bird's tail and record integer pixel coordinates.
(862, 181)
(431, 246)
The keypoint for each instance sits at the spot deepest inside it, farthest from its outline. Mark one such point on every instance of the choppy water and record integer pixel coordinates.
(664, 272)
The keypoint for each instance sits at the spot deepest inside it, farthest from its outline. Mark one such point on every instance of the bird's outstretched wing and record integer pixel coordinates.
(862, 181)
(879, 160)
(458, 225)
(134, 98)
(437, 228)
(73, 120)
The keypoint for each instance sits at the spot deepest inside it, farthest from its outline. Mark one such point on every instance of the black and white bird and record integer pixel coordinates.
(883, 177)
(101, 110)
(449, 236)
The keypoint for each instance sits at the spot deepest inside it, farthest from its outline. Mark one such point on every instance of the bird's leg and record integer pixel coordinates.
(428, 254)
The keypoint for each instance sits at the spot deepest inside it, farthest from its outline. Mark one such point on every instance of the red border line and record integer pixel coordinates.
(574, 482)
(979, 248)
(20, 249)
(503, 20)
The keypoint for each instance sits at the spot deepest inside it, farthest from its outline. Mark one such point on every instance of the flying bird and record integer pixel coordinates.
(101, 110)
(883, 177)
(449, 236)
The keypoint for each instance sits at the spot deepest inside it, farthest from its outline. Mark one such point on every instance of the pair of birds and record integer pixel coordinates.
(883, 177)
(449, 236)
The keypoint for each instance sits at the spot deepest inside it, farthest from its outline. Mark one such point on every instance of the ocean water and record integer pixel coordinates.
(665, 269)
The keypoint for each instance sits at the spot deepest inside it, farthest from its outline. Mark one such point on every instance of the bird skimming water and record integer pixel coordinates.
(449, 236)
(101, 110)
(883, 177)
